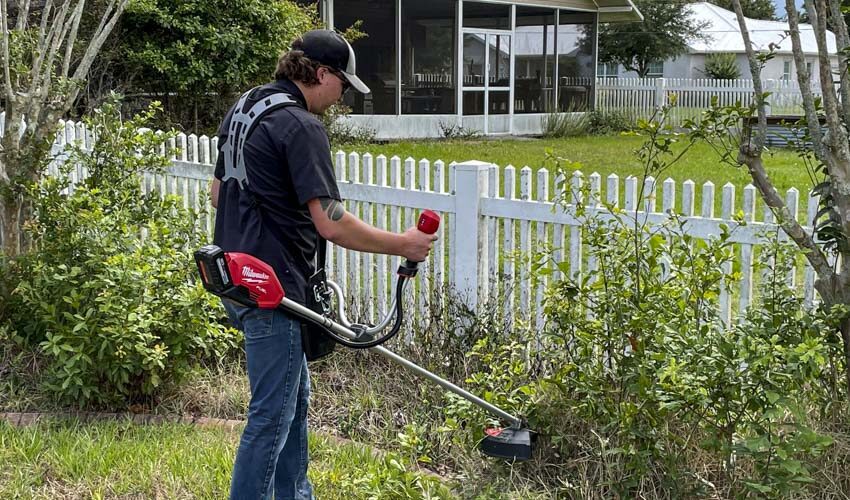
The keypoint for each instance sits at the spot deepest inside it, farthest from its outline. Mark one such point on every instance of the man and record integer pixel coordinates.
(272, 209)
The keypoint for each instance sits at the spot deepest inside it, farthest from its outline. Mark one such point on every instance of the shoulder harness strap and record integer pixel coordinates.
(241, 125)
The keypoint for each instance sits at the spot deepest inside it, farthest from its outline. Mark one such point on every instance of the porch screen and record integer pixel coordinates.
(376, 53)
(428, 69)
(576, 60)
(534, 72)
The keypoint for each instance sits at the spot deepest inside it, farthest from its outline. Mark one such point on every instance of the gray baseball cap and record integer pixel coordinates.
(329, 48)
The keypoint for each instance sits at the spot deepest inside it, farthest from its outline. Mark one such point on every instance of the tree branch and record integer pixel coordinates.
(101, 34)
(786, 219)
(44, 52)
(804, 80)
(72, 37)
(842, 39)
(750, 154)
(7, 73)
(758, 88)
(23, 14)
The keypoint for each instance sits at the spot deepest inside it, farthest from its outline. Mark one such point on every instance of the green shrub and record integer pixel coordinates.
(722, 66)
(638, 377)
(340, 131)
(109, 296)
(609, 122)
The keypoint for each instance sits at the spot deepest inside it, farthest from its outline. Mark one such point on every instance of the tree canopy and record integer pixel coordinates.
(187, 52)
(662, 35)
(754, 9)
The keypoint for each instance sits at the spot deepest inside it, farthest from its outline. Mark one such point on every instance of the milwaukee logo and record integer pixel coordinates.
(248, 272)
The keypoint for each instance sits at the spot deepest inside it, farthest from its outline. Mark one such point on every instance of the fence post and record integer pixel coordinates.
(470, 234)
(660, 92)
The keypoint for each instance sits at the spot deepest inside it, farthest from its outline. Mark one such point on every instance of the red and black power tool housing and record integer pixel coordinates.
(239, 277)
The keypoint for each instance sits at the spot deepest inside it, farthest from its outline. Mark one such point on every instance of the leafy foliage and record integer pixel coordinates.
(109, 296)
(637, 369)
(753, 9)
(205, 51)
(663, 35)
(609, 122)
(340, 131)
(722, 66)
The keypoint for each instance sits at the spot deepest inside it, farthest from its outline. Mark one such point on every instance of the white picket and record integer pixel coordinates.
(508, 275)
(367, 257)
(525, 245)
(541, 240)
(492, 238)
(381, 211)
(576, 198)
(809, 271)
(746, 286)
(727, 208)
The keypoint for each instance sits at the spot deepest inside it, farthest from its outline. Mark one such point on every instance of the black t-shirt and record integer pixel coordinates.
(287, 162)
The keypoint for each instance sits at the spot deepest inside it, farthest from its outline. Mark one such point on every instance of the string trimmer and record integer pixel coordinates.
(253, 283)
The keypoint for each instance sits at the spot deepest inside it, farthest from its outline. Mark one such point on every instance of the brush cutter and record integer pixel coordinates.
(251, 282)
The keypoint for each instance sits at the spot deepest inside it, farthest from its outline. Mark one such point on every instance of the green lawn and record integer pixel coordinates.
(606, 155)
(119, 459)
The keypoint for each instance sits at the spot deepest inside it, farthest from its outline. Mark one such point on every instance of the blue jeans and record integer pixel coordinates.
(272, 455)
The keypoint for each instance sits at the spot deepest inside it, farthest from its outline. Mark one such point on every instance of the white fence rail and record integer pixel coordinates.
(640, 97)
(490, 214)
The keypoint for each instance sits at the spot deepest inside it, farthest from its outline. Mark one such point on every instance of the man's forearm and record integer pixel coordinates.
(352, 233)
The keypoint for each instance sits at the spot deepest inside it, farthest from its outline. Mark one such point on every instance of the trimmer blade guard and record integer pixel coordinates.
(513, 443)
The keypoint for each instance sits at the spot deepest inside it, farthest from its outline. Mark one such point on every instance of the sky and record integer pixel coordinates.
(780, 7)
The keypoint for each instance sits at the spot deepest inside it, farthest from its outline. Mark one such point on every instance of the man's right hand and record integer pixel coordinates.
(417, 244)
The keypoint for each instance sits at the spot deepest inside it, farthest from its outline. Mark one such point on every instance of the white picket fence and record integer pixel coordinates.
(490, 214)
(640, 97)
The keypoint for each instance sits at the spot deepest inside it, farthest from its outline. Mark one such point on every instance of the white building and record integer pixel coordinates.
(724, 36)
(426, 63)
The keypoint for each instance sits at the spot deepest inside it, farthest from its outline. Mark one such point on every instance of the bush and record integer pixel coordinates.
(109, 297)
(638, 378)
(722, 66)
(609, 122)
(341, 131)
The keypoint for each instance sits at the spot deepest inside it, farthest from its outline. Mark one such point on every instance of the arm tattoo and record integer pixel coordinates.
(333, 208)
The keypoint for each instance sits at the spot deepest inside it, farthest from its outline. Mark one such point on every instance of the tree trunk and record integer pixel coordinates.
(10, 226)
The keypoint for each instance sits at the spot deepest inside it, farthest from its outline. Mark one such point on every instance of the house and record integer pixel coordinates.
(724, 37)
(495, 66)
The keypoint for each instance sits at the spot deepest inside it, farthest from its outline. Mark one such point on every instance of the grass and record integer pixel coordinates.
(602, 154)
(118, 459)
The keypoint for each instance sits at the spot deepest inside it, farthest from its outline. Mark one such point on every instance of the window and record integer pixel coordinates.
(608, 70)
(428, 80)
(576, 41)
(809, 69)
(376, 54)
(656, 70)
(786, 71)
(534, 61)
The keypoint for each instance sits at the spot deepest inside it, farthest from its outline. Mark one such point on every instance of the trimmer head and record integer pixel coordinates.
(513, 443)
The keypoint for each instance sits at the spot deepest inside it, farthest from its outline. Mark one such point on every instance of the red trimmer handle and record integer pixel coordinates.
(428, 223)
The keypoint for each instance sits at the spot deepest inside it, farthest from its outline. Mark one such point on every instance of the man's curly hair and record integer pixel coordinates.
(297, 67)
